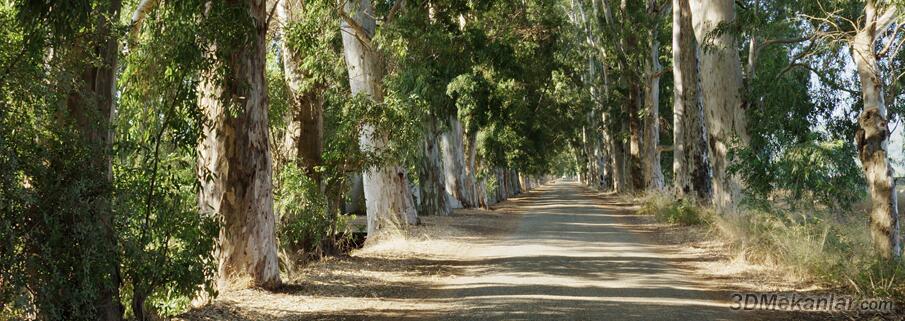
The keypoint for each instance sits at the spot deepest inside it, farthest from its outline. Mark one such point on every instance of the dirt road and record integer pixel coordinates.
(567, 254)
(574, 256)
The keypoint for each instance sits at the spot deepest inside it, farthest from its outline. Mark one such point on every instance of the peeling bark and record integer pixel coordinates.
(872, 139)
(386, 188)
(724, 109)
(653, 174)
(454, 165)
(235, 164)
(434, 199)
(691, 168)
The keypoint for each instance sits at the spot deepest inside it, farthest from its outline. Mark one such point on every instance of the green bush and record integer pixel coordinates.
(668, 210)
(308, 228)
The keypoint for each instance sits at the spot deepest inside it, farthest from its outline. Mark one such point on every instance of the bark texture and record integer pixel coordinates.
(305, 123)
(872, 136)
(653, 174)
(691, 168)
(386, 188)
(434, 199)
(235, 161)
(721, 81)
(454, 165)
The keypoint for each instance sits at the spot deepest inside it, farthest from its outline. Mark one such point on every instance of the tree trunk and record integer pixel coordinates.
(590, 156)
(305, 129)
(91, 110)
(235, 164)
(356, 194)
(691, 169)
(386, 188)
(471, 154)
(872, 140)
(724, 109)
(454, 165)
(635, 174)
(617, 148)
(434, 198)
(653, 174)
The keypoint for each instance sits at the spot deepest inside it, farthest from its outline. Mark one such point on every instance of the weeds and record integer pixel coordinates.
(830, 247)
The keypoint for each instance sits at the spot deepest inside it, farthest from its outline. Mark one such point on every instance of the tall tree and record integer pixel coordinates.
(91, 109)
(872, 137)
(234, 157)
(305, 120)
(691, 169)
(721, 84)
(386, 186)
(653, 173)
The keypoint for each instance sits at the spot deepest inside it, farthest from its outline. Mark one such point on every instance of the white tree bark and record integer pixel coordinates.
(721, 80)
(386, 188)
(471, 154)
(691, 168)
(650, 166)
(872, 138)
(454, 164)
(235, 164)
(434, 199)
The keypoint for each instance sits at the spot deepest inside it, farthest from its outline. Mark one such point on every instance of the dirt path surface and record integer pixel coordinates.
(557, 253)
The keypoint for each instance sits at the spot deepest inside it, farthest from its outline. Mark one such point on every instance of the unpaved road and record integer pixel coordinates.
(574, 256)
(557, 253)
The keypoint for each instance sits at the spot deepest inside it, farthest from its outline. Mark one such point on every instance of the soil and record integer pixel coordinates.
(558, 252)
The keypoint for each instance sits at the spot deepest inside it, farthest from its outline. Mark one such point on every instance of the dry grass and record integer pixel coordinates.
(807, 252)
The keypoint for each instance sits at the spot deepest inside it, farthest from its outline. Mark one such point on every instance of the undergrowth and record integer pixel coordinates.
(830, 247)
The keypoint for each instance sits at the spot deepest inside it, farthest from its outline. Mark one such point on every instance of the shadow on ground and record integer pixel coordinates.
(572, 256)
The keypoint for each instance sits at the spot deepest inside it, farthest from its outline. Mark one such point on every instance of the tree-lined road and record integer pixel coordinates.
(575, 256)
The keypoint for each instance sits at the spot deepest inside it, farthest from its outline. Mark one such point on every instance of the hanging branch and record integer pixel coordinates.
(357, 30)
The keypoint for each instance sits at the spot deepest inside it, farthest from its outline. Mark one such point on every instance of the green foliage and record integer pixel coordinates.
(803, 175)
(668, 210)
(306, 222)
(58, 255)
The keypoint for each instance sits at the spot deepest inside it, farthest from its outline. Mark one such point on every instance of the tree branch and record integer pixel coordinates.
(394, 10)
(886, 18)
(141, 11)
(785, 41)
(270, 15)
(357, 30)
(892, 39)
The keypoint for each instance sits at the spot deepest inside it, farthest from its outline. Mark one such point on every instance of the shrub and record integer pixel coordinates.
(668, 210)
(308, 227)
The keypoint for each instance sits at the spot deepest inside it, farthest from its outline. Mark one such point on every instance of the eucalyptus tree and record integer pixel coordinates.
(386, 186)
(653, 174)
(722, 90)
(872, 137)
(60, 255)
(304, 137)
(691, 168)
(234, 155)
(871, 32)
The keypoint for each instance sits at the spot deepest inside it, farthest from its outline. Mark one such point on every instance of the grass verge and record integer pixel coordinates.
(831, 249)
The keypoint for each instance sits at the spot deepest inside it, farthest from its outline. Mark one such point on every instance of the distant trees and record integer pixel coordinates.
(742, 133)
